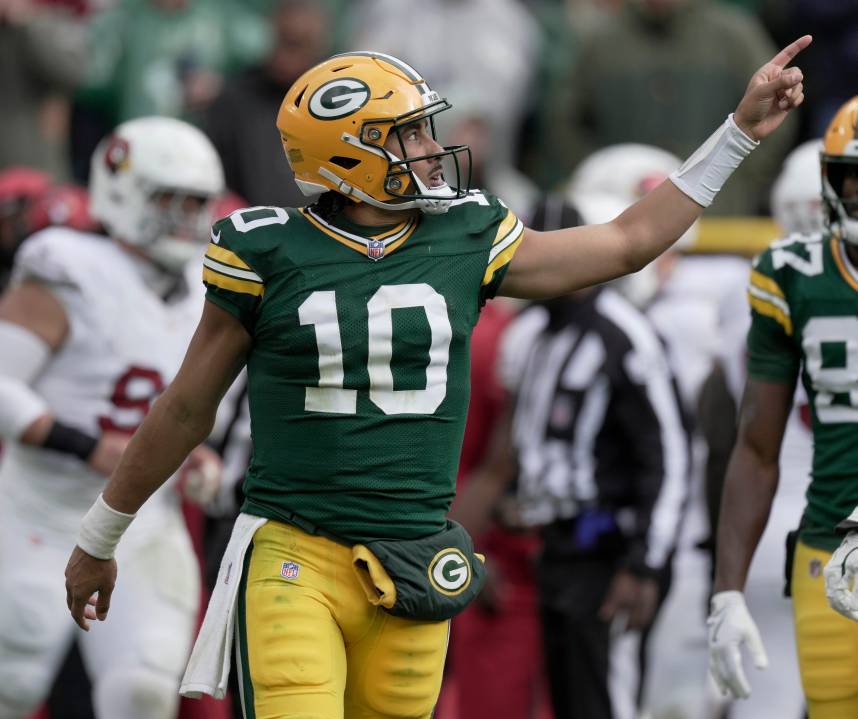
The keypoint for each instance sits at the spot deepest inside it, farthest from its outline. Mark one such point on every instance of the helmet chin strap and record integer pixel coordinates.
(433, 206)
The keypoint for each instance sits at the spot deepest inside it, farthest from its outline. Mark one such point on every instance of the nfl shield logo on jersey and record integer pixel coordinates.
(375, 249)
(289, 570)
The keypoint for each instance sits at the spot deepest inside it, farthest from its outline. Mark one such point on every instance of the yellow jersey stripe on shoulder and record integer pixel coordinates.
(512, 235)
(233, 284)
(503, 257)
(767, 284)
(227, 257)
(769, 309)
(504, 228)
(230, 271)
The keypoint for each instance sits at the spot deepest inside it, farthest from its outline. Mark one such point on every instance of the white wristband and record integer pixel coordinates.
(704, 173)
(101, 529)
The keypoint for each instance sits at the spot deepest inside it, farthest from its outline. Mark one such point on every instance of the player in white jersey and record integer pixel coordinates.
(93, 328)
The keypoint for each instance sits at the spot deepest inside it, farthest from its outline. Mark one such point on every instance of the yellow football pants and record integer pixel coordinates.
(310, 645)
(827, 642)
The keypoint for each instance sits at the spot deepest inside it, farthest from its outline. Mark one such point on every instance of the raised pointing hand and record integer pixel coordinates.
(773, 91)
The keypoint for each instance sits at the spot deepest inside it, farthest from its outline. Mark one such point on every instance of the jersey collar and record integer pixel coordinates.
(844, 264)
(380, 243)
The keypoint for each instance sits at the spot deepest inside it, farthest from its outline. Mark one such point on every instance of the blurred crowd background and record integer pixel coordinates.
(537, 84)
(538, 87)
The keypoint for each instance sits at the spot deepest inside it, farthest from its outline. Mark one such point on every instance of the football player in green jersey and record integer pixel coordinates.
(803, 294)
(353, 317)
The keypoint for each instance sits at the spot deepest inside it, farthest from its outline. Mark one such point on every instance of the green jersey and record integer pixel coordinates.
(358, 377)
(804, 301)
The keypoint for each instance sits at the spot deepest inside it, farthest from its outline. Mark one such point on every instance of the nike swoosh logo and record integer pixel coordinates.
(215, 237)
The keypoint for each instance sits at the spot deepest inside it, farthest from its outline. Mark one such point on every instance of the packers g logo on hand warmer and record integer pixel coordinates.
(338, 98)
(449, 572)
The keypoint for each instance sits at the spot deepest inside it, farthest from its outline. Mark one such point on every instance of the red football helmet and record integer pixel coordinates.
(62, 205)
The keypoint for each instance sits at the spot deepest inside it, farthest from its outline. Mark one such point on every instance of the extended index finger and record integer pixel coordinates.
(786, 56)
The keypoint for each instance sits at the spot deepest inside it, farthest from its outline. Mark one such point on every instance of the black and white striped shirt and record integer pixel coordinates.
(597, 424)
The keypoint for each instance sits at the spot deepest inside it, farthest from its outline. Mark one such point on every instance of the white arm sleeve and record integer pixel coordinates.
(23, 358)
(704, 173)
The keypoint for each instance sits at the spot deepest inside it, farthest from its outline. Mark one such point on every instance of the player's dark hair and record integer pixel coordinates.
(330, 204)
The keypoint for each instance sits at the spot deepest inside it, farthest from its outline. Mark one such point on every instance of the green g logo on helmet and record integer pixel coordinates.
(450, 572)
(338, 98)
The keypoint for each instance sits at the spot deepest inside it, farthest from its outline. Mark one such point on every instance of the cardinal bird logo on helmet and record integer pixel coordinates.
(117, 154)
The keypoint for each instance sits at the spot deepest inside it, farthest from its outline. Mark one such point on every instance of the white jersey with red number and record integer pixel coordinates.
(124, 345)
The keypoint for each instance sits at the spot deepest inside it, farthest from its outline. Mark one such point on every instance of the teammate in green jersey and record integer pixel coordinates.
(353, 317)
(803, 294)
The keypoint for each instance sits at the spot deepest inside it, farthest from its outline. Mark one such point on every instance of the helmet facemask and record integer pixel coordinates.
(401, 176)
(173, 228)
(401, 181)
(841, 209)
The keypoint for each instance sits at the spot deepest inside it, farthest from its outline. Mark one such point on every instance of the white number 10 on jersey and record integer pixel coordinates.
(320, 310)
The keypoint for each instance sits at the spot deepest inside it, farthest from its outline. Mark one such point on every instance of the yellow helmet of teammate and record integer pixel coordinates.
(336, 119)
(840, 172)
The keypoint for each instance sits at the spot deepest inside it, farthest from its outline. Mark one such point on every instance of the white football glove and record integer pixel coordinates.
(200, 480)
(731, 626)
(840, 574)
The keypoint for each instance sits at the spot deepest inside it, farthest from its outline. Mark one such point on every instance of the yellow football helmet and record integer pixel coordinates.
(336, 118)
(839, 163)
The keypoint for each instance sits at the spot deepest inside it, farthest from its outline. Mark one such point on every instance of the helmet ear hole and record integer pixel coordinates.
(300, 96)
(345, 162)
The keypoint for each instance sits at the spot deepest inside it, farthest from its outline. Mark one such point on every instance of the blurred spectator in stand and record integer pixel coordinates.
(483, 52)
(563, 24)
(832, 68)
(160, 57)
(658, 73)
(42, 58)
(240, 122)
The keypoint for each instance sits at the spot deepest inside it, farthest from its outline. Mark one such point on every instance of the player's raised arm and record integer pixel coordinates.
(180, 420)
(550, 264)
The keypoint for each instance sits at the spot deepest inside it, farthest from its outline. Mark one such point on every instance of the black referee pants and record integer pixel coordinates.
(578, 644)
